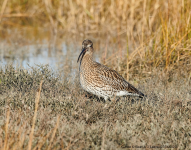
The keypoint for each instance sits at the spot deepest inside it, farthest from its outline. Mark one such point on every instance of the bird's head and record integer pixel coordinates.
(87, 48)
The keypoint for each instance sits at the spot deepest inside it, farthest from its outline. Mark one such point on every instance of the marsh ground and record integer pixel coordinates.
(69, 118)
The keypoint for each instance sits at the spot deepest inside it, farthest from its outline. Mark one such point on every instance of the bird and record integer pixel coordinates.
(100, 80)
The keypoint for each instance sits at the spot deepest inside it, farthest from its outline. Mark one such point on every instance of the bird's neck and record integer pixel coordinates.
(87, 61)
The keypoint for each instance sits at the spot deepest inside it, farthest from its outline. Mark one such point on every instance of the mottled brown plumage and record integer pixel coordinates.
(101, 80)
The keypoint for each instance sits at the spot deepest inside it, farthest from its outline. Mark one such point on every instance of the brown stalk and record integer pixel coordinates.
(105, 53)
(15, 15)
(167, 43)
(19, 137)
(52, 22)
(35, 114)
(54, 132)
(6, 129)
(127, 70)
(179, 42)
(3, 9)
(40, 144)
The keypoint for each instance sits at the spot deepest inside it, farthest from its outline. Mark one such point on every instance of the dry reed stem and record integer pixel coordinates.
(3, 9)
(127, 69)
(43, 140)
(176, 44)
(167, 37)
(35, 114)
(134, 53)
(16, 15)
(54, 132)
(20, 137)
(105, 52)
(6, 129)
(52, 22)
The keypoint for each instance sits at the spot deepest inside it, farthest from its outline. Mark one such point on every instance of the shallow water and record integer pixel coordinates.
(39, 54)
(58, 58)
(24, 48)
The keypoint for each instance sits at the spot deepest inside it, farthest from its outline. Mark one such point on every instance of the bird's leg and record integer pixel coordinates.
(99, 98)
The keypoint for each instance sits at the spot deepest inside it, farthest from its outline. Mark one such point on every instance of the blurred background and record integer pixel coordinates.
(132, 37)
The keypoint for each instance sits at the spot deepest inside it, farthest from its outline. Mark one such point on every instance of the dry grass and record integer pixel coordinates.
(67, 119)
(147, 33)
(34, 118)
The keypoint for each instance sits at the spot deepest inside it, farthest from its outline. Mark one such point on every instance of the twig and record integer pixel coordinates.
(53, 24)
(3, 8)
(15, 15)
(54, 132)
(35, 114)
(6, 129)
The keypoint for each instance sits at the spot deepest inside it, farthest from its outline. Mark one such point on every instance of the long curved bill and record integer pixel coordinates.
(81, 54)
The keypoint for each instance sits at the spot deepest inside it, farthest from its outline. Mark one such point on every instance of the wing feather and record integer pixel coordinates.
(111, 78)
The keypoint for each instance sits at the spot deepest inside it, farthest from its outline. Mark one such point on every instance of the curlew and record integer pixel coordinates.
(100, 80)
